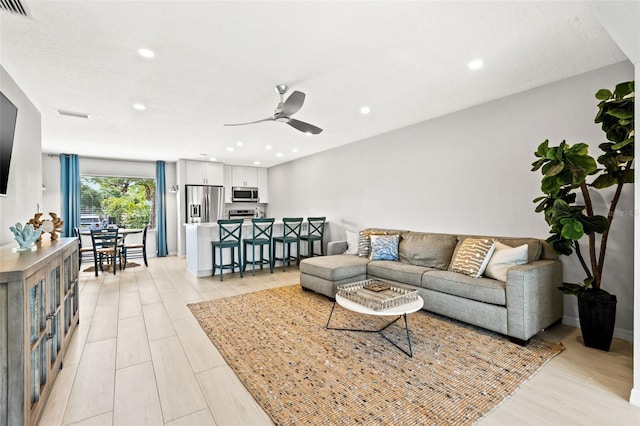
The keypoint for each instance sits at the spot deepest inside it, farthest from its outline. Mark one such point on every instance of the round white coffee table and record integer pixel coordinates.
(400, 311)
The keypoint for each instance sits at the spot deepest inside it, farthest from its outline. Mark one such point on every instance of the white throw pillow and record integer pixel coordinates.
(352, 243)
(503, 258)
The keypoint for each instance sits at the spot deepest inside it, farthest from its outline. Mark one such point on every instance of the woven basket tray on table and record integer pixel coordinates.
(377, 295)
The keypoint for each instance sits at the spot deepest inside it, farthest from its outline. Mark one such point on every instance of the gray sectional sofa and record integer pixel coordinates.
(522, 306)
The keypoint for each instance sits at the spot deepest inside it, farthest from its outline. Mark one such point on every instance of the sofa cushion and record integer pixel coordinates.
(430, 250)
(480, 289)
(334, 268)
(397, 271)
(472, 256)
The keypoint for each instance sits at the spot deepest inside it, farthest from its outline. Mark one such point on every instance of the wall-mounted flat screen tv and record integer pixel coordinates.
(8, 116)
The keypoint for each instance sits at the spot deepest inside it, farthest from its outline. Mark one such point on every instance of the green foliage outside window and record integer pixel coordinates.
(127, 201)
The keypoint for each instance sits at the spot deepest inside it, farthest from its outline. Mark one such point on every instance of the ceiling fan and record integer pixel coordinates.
(286, 109)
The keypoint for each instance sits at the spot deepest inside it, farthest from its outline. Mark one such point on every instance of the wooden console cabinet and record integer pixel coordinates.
(38, 315)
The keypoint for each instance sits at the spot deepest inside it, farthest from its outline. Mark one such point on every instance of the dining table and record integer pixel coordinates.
(122, 235)
(121, 231)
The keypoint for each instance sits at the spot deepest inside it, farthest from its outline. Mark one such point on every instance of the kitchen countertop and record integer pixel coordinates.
(215, 225)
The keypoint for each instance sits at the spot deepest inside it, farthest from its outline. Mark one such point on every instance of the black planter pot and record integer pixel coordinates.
(597, 320)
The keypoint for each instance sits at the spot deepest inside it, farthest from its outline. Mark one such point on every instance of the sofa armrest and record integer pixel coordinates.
(533, 299)
(336, 247)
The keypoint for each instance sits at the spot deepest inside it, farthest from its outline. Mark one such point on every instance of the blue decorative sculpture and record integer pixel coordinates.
(25, 236)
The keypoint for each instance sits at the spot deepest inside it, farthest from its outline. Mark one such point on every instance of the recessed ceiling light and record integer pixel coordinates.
(229, 148)
(256, 163)
(279, 154)
(476, 64)
(294, 150)
(239, 143)
(365, 110)
(139, 107)
(268, 147)
(308, 133)
(146, 53)
(213, 159)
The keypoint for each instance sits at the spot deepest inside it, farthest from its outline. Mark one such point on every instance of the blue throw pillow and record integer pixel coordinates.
(384, 247)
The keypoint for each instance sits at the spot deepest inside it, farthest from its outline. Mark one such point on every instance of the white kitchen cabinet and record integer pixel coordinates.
(263, 185)
(228, 184)
(204, 173)
(244, 176)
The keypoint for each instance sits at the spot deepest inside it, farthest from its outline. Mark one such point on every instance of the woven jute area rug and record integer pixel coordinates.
(301, 373)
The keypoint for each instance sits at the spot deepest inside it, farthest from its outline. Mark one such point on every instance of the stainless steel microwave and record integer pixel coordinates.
(244, 194)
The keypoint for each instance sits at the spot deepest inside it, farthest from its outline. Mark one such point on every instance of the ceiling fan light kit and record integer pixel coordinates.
(285, 110)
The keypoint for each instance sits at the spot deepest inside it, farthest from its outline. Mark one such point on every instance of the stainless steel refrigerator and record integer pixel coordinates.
(205, 203)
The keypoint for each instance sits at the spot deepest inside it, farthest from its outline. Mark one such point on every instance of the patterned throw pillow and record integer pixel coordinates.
(472, 256)
(364, 244)
(364, 241)
(384, 247)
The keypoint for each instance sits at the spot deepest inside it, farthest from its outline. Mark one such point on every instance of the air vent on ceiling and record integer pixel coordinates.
(72, 113)
(13, 6)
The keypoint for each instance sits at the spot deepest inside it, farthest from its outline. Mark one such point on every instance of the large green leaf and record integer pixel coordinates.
(623, 89)
(561, 209)
(553, 168)
(603, 94)
(550, 185)
(622, 144)
(622, 113)
(604, 181)
(572, 229)
(578, 149)
(537, 164)
(573, 289)
(542, 149)
(591, 224)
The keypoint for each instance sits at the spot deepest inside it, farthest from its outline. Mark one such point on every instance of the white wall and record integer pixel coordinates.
(466, 172)
(24, 192)
(106, 167)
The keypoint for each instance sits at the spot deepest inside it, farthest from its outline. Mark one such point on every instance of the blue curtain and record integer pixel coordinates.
(70, 186)
(161, 211)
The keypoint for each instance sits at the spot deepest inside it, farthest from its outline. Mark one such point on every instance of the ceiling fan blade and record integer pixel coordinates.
(304, 127)
(250, 122)
(292, 104)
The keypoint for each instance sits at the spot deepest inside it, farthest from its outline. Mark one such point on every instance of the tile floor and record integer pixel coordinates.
(139, 357)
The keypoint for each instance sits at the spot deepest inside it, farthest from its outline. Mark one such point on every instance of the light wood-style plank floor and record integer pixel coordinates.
(139, 357)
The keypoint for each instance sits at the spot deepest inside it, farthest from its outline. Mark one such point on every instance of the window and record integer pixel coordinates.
(127, 202)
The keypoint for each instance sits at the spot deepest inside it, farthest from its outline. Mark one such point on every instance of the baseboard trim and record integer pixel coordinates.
(619, 333)
(634, 399)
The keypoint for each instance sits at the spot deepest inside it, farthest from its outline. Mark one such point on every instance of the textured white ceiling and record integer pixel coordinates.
(218, 62)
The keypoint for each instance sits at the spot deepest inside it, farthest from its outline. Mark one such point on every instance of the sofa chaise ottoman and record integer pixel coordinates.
(524, 301)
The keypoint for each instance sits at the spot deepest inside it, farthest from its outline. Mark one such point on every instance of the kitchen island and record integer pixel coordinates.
(200, 235)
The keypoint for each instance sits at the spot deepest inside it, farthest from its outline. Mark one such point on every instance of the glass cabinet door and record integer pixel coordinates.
(37, 326)
(37, 317)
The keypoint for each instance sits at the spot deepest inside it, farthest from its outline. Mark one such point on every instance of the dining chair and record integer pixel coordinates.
(262, 230)
(106, 246)
(315, 232)
(85, 254)
(230, 236)
(135, 250)
(291, 227)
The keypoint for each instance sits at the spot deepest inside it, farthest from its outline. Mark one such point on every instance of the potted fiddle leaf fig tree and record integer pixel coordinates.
(570, 175)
